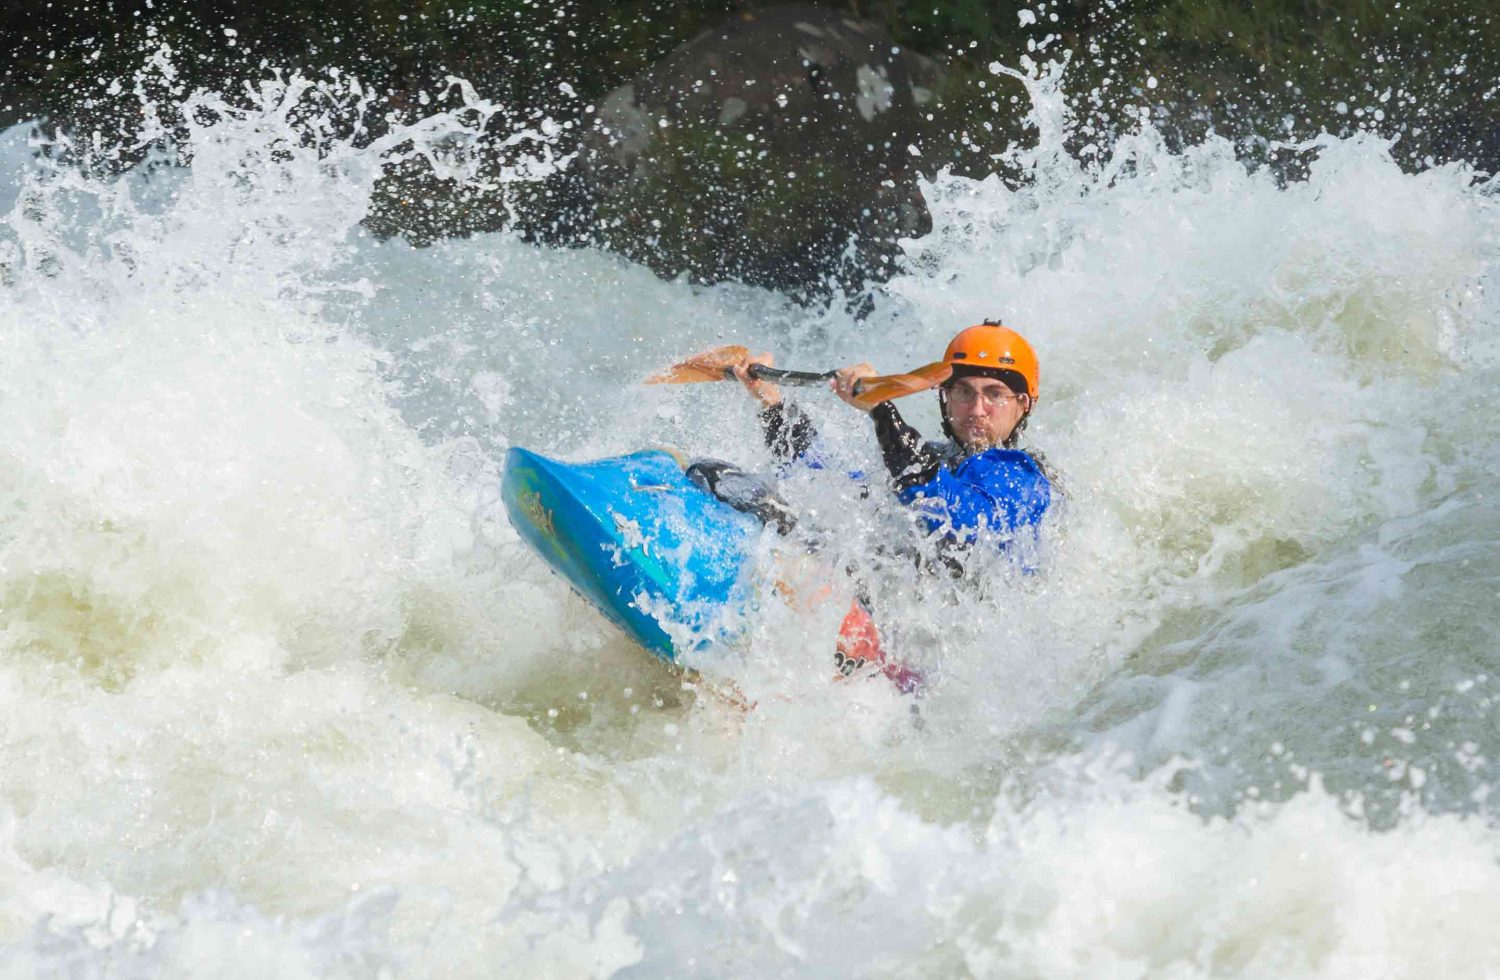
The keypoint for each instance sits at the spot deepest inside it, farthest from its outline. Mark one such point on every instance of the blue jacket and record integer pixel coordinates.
(1001, 489)
(957, 493)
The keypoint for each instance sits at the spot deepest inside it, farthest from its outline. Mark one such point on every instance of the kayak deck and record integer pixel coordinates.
(656, 554)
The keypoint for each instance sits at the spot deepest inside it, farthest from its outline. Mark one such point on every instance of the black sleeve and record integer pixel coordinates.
(908, 458)
(789, 432)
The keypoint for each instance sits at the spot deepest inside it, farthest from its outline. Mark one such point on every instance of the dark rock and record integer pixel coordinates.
(781, 149)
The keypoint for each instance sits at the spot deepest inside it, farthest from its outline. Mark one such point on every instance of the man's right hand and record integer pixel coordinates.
(764, 391)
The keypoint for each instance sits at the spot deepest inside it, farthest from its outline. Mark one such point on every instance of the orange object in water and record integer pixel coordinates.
(707, 365)
(859, 648)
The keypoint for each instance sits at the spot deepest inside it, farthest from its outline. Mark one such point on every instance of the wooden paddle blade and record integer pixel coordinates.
(933, 374)
(873, 391)
(707, 366)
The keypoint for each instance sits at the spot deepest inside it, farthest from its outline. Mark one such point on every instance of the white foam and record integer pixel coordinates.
(285, 695)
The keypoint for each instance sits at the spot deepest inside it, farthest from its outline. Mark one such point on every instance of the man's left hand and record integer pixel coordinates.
(846, 379)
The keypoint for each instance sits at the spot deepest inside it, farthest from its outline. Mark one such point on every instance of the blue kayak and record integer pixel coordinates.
(659, 556)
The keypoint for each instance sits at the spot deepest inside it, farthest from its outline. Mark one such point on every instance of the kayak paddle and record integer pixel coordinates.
(718, 365)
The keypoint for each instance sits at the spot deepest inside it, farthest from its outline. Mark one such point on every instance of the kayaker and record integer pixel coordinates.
(975, 483)
(978, 480)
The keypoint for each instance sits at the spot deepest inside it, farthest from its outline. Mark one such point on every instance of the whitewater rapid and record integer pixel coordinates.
(281, 693)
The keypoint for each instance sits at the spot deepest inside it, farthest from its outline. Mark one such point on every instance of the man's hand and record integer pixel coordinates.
(846, 378)
(764, 391)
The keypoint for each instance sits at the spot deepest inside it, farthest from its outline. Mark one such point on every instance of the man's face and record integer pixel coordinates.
(983, 411)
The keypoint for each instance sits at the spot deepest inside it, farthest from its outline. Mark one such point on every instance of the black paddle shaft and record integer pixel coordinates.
(761, 372)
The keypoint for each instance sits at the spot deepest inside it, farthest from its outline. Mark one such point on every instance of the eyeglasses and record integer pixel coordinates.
(994, 397)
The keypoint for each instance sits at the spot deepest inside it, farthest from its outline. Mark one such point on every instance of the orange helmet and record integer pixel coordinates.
(1001, 349)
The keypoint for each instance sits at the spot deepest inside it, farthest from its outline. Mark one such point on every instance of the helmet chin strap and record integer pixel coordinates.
(943, 413)
(1015, 433)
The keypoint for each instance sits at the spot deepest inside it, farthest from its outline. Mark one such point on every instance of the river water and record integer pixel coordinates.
(282, 694)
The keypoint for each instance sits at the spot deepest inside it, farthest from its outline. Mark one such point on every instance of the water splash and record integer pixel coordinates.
(281, 693)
